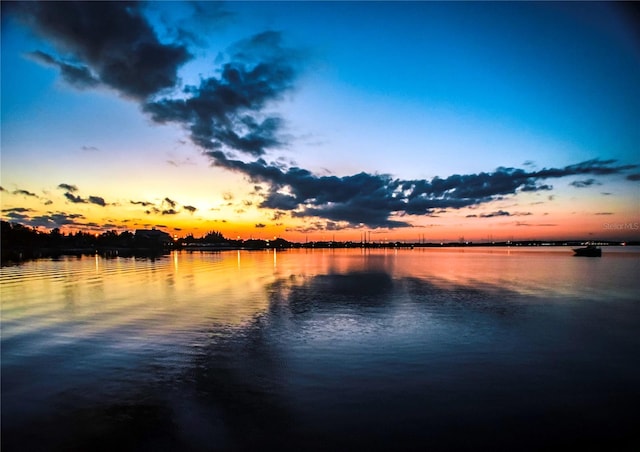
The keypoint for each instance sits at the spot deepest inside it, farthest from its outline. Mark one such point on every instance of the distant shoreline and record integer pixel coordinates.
(20, 243)
(18, 256)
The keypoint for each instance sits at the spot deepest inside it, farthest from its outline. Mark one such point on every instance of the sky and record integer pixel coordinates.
(413, 121)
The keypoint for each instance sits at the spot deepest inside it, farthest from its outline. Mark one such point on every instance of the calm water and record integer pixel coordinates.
(426, 349)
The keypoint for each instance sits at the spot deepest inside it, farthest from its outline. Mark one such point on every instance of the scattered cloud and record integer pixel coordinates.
(18, 209)
(170, 202)
(97, 200)
(142, 203)
(89, 148)
(260, 225)
(584, 183)
(166, 207)
(74, 199)
(17, 213)
(17, 216)
(500, 213)
(277, 215)
(68, 187)
(179, 163)
(24, 193)
(53, 220)
(634, 177)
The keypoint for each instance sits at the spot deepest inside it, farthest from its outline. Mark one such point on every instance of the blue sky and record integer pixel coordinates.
(414, 90)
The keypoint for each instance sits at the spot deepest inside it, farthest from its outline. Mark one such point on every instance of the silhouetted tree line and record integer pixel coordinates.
(209, 237)
(21, 242)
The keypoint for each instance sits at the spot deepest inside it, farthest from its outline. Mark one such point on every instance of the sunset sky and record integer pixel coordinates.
(322, 120)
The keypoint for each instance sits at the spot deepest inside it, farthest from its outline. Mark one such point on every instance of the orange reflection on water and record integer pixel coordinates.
(135, 300)
(131, 299)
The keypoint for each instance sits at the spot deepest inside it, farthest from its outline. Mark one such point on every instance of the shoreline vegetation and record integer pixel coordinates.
(21, 243)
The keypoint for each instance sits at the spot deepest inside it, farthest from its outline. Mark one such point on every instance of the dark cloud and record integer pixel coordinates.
(372, 199)
(196, 25)
(89, 148)
(77, 75)
(142, 203)
(97, 200)
(316, 226)
(75, 199)
(18, 209)
(539, 187)
(55, 220)
(24, 193)
(190, 209)
(170, 202)
(68, 187)
(277, 215)
(227, 112)
(110, 42)
(595, 167)
(633, 177)
(499, 213)
(260, 225)
(604, 213)
(584, 183)
(169, 212)
(17, 216)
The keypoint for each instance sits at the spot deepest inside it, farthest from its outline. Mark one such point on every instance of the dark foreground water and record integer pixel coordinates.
(434, 349)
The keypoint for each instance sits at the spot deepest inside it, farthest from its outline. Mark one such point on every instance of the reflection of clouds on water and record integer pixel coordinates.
(353, 354)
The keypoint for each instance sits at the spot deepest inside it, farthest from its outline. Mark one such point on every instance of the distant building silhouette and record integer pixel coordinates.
(152, 238)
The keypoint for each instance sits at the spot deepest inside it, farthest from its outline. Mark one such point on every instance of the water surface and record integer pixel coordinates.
(440, 349)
